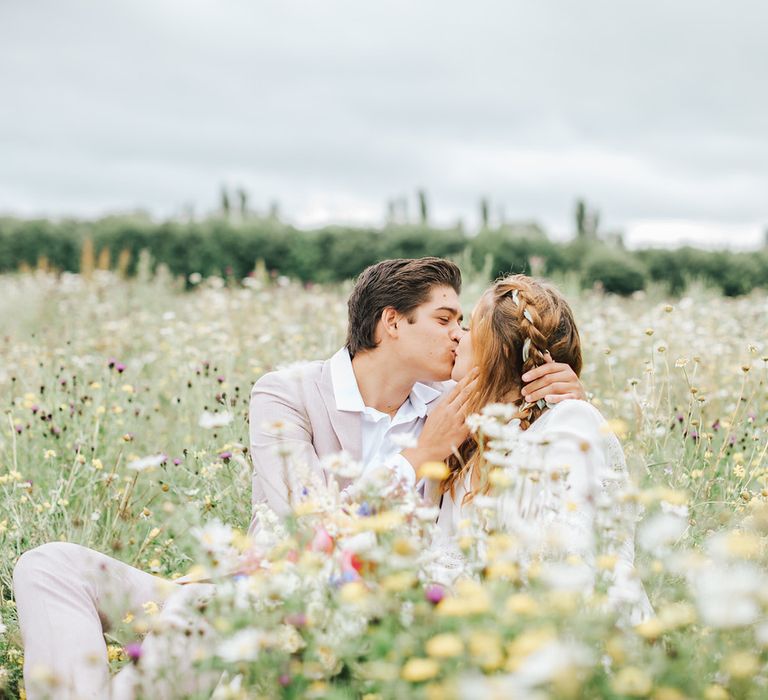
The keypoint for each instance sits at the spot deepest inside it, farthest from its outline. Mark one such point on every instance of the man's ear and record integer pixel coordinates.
(389, 320)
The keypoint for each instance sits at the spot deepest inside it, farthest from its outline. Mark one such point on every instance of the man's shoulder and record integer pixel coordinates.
(289, 376)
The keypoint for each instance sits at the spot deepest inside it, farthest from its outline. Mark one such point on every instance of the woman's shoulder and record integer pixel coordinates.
(573, 415)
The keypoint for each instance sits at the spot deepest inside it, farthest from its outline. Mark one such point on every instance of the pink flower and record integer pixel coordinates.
(133, 651)
(434, 593)
(322, 541)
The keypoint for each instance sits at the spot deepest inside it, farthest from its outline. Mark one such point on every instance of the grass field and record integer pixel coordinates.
(97, 374)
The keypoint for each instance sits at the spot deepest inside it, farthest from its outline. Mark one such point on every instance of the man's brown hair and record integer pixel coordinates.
(402, 284)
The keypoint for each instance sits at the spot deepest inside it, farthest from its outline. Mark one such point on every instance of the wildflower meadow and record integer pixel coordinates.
(124, 428)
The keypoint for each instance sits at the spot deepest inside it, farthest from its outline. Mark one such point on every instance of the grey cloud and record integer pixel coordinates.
(652, 110)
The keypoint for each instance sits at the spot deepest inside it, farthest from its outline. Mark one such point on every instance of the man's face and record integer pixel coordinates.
(428, 345)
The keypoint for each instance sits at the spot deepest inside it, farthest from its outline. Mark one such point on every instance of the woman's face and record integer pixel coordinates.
(464, 358)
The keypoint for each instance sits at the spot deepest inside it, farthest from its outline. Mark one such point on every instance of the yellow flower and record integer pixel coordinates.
(607, 562)
(398, 582)
(615, 648)
(616, 426)
(436, 471)
(650, 629)
(632, 681)
(379, 671)
(353, 592)
(563, 602)
(745, 545)
(741, 664)
(500, 478)
(381, 522)
(115, 653)
(418, 670)
(527, 642)
(521, 604)
(49, 454)
(503, 570)
(470, 599)
(677, 615)
(445, 646)
(304, 508)
(151, 607)
(716, 692)
(440, 691)
(485, 648)
(667, 693)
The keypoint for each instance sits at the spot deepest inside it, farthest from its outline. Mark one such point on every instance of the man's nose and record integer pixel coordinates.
(457, 333)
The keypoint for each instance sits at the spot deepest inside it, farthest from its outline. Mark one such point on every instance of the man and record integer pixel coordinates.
(388, 384)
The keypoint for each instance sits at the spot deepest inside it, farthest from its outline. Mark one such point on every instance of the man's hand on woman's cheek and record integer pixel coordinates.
(553, 382)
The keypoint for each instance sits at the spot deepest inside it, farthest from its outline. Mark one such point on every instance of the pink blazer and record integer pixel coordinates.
(293, 413)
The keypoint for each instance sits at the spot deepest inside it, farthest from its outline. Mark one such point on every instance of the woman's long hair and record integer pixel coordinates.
(517, 321)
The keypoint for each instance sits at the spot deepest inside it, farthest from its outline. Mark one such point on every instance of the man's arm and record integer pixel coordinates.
(279, 432)
(554, 382)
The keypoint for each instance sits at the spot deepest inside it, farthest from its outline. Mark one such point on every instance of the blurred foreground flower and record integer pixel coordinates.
(145, 463)
(210, 420)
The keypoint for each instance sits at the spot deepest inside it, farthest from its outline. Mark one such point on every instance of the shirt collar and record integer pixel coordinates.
(347, 393)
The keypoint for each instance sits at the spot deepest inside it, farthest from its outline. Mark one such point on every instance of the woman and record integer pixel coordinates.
(562, 465)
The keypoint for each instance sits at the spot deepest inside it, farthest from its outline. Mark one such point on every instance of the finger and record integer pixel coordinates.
(562, 377)
(465, 394)
(466, 379)
(556, 389)
(557, 398)
(543, 370)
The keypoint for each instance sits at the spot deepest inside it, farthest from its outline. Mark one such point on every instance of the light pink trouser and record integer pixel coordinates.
(66, 596)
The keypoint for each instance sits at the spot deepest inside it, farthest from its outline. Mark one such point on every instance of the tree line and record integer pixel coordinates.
(231, 247)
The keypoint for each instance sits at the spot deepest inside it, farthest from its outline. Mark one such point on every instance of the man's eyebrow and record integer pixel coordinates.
(452, 310)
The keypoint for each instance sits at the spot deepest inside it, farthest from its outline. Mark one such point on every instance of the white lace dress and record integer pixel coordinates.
(566, 475)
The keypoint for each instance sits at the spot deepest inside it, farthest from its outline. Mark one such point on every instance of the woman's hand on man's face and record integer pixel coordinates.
(553, 382)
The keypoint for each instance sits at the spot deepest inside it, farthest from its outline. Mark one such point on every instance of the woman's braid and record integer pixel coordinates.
(534, 346)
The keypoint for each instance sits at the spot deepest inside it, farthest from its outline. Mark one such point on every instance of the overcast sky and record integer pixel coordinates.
(656, 112)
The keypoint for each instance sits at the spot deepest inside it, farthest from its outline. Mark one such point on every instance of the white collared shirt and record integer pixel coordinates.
(382, 436)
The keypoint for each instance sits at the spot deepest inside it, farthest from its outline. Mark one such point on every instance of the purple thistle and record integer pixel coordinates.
(133, 651)
(434, 593)
(120, 367)
(226, 456)
(284, 680)
(176, 461)
(297, 619)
